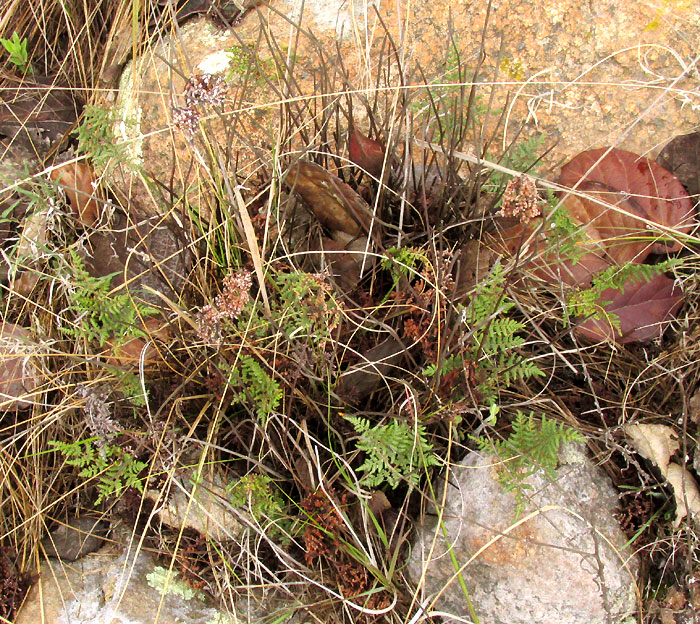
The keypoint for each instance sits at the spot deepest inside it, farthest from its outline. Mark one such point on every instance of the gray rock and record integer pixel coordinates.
(113, 588)
(562, 560)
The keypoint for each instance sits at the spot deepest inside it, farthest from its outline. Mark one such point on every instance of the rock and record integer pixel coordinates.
(125, 587)
(161, 162)
(110, 588)
(208, 511)
(552, 99)
(18, 372)
(566, 564)
(77, 537)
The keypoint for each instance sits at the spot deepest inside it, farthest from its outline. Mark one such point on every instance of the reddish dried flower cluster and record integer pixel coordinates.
(235, 294)
(323, 538)
(325, 521)
(520, 200)
(201, 90)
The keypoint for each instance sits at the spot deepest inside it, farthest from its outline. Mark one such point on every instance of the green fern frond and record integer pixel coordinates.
(394, 452)
(533, 445)
(115, 467)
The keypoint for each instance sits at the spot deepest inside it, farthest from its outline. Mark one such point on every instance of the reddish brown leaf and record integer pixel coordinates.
(682, 158)
(643, 308)
(148, 255)
(634, 183)
(360, 380)
(333, 202)
(78, 181)
(128, 354)
(366, 153)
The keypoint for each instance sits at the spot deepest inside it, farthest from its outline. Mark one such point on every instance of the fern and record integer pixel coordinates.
(100, 315)
(305, 307)
(403, 262)
(563, 233)
(452, 363)
(255, 387)
(394, 452)
(496, 339)
(522, 157)
(113, 465)
(96, 138)
(258, 494)
(533, 445)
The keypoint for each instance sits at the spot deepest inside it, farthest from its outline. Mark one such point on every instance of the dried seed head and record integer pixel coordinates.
(205, 89)
(186, 120)
(520, 200)
(228, 305)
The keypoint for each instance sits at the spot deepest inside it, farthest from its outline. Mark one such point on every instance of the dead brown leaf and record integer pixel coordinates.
(38, 111)
(629, 182)
(366, 153)
(148, 254)
(360, 380)
(685, 492)
(335, 204)
(643, 309)
(654, 442)
(128, 355)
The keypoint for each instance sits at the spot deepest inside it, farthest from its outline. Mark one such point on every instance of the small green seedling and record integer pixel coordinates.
(17, 49)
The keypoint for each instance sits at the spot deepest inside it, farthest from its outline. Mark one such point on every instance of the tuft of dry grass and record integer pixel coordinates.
(238, 371)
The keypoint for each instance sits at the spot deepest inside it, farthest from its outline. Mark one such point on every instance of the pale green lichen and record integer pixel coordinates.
(168, 582)
(215, 63)
(127, 116)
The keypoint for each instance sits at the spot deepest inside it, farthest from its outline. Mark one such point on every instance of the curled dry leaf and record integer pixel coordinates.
(30, 249)
(37, 110)
(128, 354)
(360, 380)
(530, 243)
(640, 186)
(642, 309)
(378, 503)
(658, 443)
(366, 153)
(335, 204)
(78, 181)
(623, 192)
(148, 254)
(654, 442)
(685, 492)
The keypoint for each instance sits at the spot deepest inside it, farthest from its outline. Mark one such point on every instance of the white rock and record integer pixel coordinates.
(562, 560)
